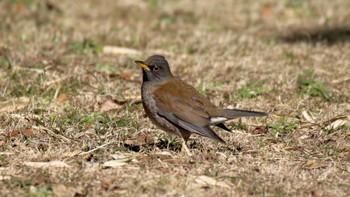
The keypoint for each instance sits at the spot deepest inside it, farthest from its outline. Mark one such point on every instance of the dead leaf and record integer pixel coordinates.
(337, 123)
(13, 104)
(106, 183)
(109, 105)
(342, 80)
(308, 117)
(15, 133)
(117, 162)
(120, 50)
(115, 104)
(292, 148)
(266, 10)
(259, 130)
(133, 99)
(62, 98)
(314, 164)
(20, 7)
(4, 178)
(303, 137)
(61, 190)
(344, 149)
(28, 132)
(121, 157)
(330, 142)
(88, 157)
(124, 75)
(55, 164)
(206, 181)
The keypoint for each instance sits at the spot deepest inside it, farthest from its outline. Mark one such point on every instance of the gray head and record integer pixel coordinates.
(155, 69)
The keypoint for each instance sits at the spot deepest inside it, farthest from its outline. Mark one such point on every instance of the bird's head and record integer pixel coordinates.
(155, 69)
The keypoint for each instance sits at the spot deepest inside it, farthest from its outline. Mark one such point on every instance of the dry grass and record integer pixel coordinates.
(290, 58)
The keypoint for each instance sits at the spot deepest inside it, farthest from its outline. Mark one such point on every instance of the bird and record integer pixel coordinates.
(178, 108)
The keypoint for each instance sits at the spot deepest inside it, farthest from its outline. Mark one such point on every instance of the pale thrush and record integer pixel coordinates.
(178, 108)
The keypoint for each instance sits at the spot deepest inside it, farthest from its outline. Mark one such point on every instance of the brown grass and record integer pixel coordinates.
(288, 58)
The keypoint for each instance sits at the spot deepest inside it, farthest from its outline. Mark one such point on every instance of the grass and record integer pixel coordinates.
(85, 46)
(252, 89)
(282, 127)
(288, 58)
(308, 86)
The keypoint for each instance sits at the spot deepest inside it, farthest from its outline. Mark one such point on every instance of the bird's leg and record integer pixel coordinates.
(184, 147)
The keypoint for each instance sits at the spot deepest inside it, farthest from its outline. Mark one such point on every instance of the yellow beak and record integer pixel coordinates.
(142, 64)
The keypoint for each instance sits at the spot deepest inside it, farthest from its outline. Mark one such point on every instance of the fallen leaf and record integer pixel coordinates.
(303, 137)
(55, 164)
(119, 161)
(13, 104)
(67, 191)
(259, 130)
(120, 50)
(133, 99)
(125, 76)
(314, 164)
(62, 98)
(121, 157)
(20, 6)
(28, 132)
(6, 153)
(2, 169)
(344, 149)
(308, 117)
(109, 105)
(336, 124)
(88, 157)
(292, 148)
(15, 133)
(342, 80)
(4, 178)
(266, 10)
(105, 184)
(206, 181)
(330, 142)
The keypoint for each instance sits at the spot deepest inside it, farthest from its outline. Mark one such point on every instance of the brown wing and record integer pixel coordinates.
(186, 103)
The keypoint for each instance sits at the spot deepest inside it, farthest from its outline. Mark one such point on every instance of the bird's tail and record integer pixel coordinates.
(236, 113)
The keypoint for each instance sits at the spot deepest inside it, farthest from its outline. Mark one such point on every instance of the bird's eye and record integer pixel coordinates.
(156, 68)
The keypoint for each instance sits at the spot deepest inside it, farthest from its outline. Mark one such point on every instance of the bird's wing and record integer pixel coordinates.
(204, 131)
(182, 105)
(187, 104)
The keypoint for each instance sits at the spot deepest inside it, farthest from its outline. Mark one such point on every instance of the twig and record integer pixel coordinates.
(92, 150)
(52, 133)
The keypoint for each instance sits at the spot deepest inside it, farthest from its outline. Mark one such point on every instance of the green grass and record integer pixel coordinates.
(4, 63)
(239, 125)
(251, 90)
(283, 126)
(85, 46)
(43, 191)
(105, 68)
(307, 85)
(168, 141)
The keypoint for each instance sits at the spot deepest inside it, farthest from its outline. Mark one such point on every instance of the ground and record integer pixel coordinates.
(71, 121)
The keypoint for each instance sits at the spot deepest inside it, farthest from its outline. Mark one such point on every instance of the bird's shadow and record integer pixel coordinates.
(323, 35)
(162, 145)
(176, 147)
